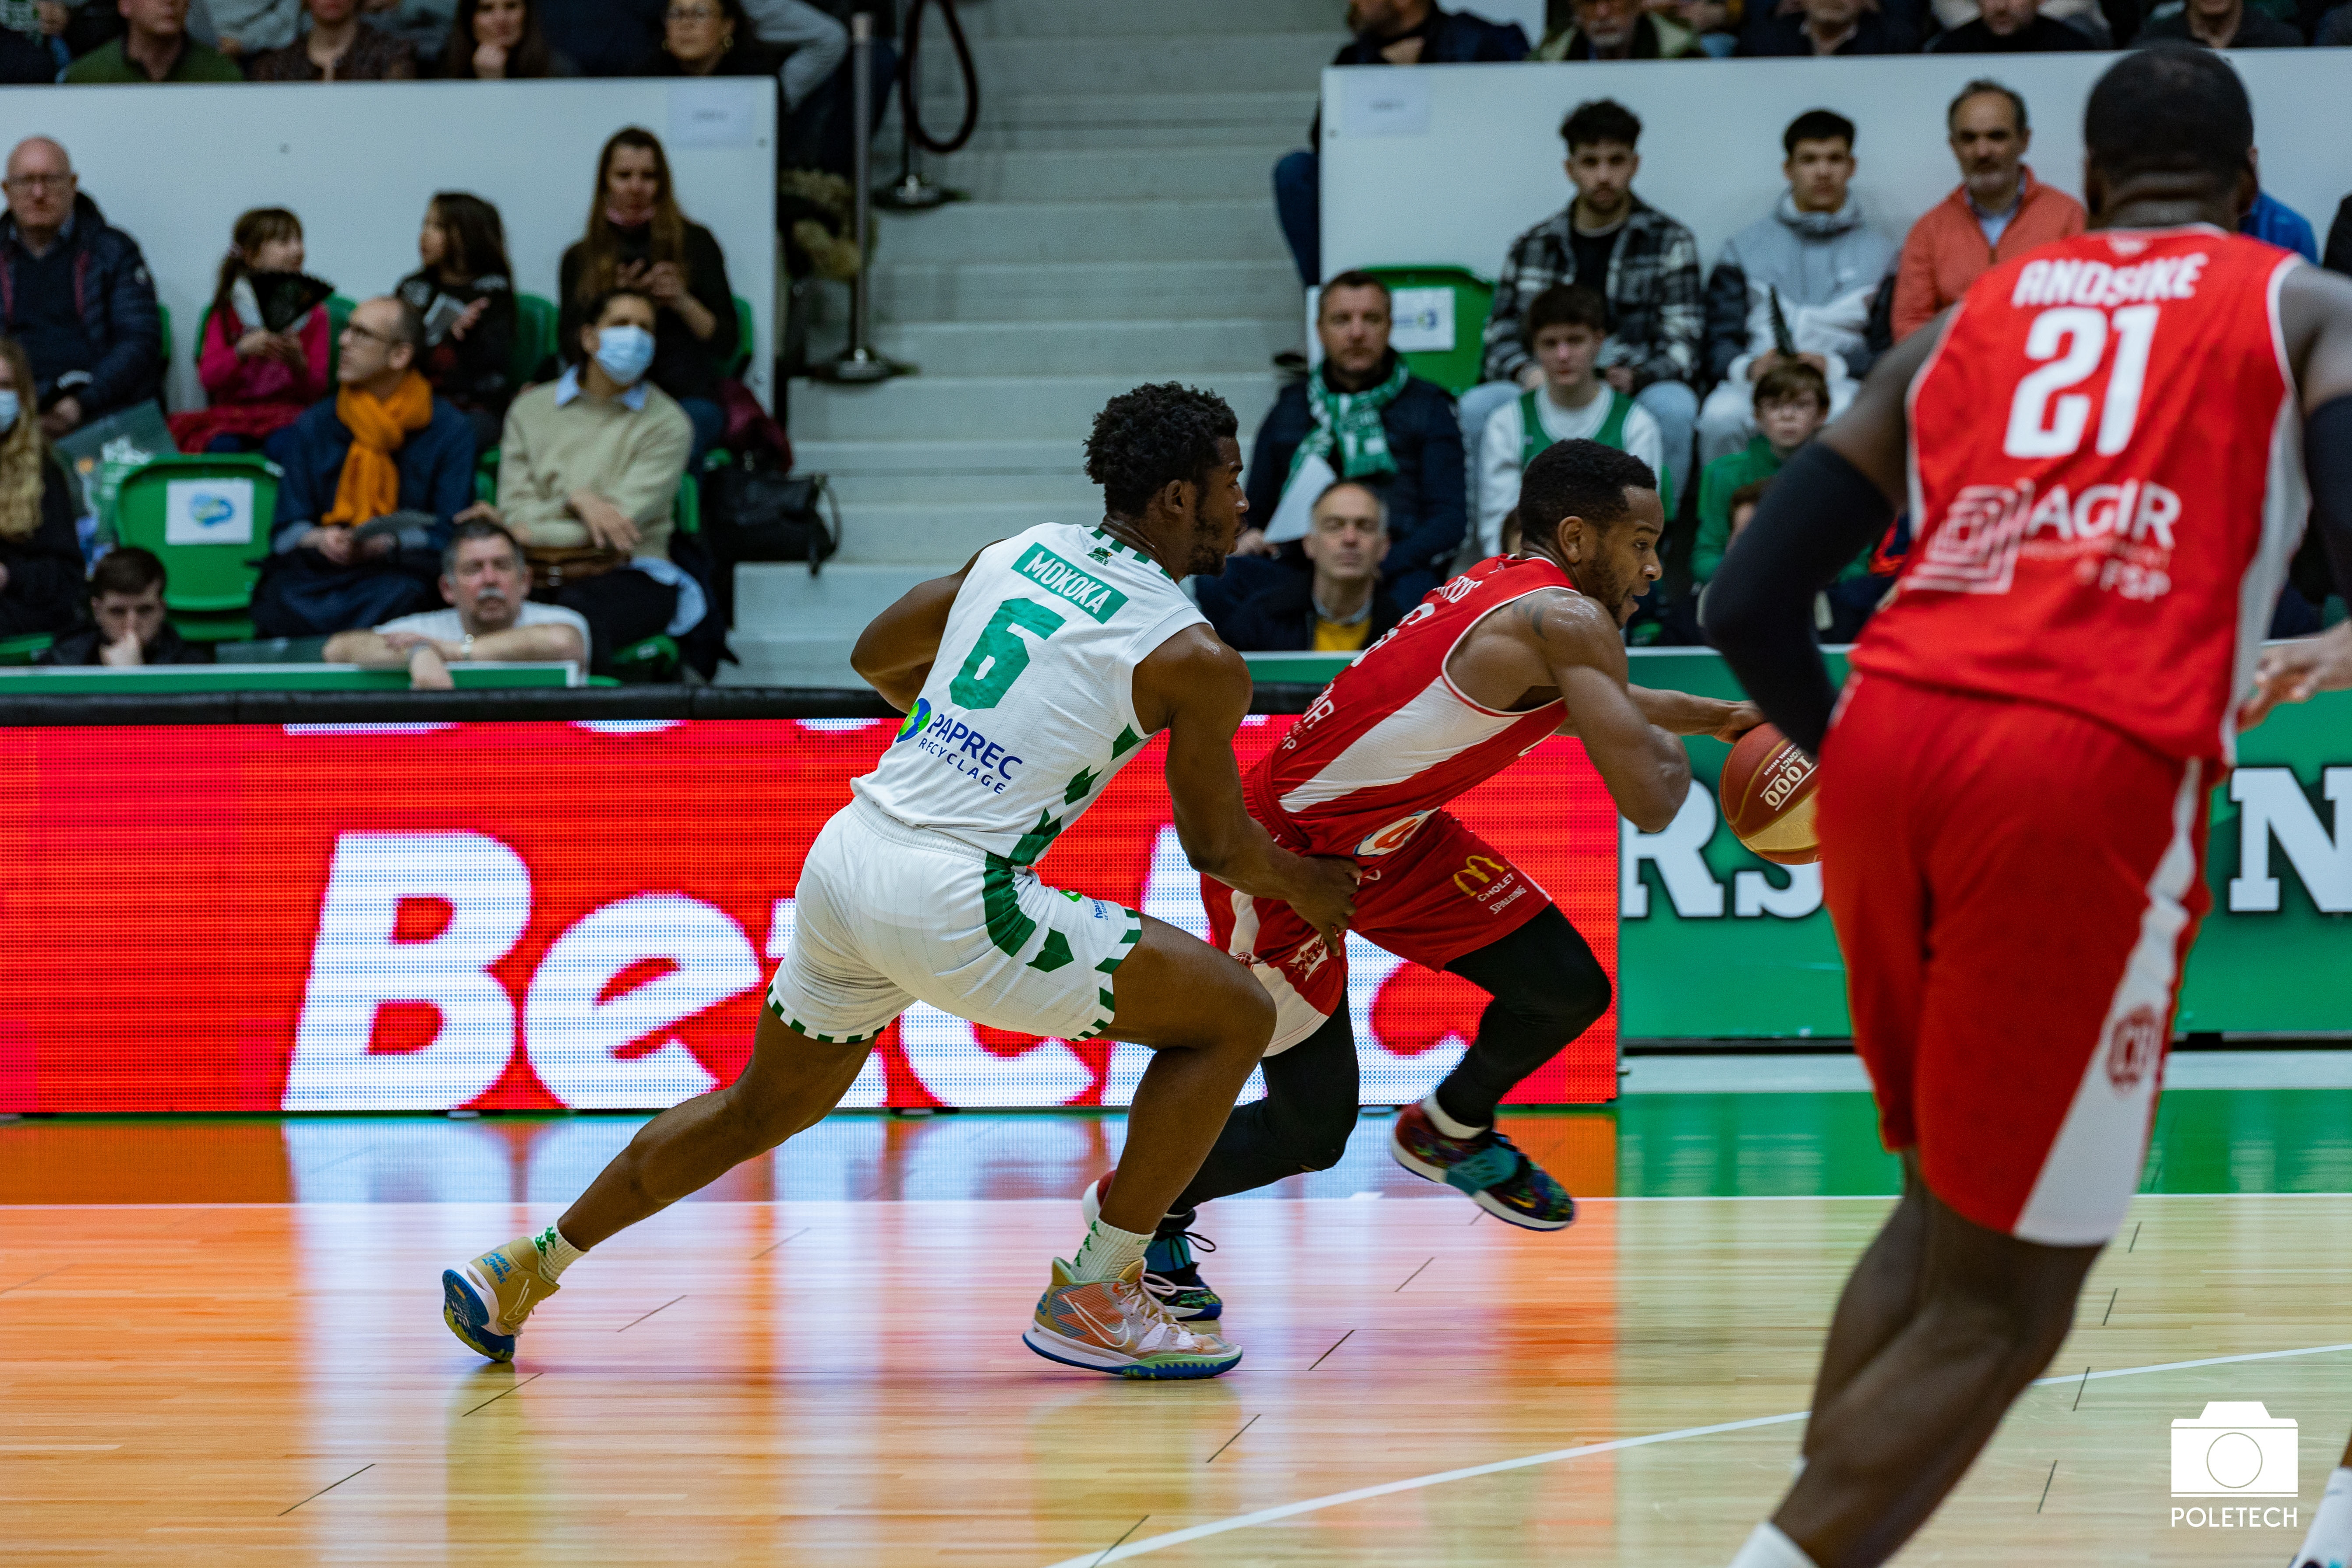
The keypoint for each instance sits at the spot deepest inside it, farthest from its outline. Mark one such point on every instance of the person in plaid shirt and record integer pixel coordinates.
(1643, 262)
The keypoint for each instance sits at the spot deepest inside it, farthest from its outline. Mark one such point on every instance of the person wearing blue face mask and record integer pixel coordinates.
(588, 470)
(41, 554)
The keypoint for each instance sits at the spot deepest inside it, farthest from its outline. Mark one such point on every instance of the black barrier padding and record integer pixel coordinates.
(518, 705)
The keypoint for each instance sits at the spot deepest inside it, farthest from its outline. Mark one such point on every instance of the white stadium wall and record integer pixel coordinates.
(1448, 163)
(174, 165)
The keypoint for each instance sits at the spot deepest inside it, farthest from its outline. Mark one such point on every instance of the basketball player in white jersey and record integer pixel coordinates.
(1028, 680)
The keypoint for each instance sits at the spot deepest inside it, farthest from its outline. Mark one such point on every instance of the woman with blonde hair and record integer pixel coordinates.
(639, 240)
(40, 554)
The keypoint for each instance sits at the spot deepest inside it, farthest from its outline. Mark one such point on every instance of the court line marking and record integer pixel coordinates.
(1585, 1450)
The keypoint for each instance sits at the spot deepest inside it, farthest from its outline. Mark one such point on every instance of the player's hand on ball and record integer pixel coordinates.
(1327, 901)
(1741, 718)
(2297, 671)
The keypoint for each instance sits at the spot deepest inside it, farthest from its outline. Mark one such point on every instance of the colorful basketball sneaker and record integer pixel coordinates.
(485, 1301)
(1118, 1326)
(1169, 1271)
(1496, 1176)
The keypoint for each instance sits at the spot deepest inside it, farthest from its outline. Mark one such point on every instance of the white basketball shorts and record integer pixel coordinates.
(888, 915)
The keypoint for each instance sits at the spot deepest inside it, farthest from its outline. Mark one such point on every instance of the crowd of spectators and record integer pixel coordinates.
(1604, 325)
(380, 423)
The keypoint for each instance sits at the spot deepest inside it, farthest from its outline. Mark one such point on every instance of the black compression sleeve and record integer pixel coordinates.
(1820, 513)
(2328, 460)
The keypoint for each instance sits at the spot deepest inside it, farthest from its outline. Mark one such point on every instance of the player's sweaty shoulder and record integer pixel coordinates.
(1192, 674)
(1565, 630)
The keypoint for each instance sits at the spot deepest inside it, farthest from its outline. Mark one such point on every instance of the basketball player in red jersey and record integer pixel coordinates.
(2104, 448)
(1472, 678)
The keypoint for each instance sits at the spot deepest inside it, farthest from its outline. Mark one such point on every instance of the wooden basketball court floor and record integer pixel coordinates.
(220, 1342)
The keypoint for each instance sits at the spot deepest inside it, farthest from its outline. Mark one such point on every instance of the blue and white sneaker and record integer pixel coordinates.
(1170, 1272)
(1487, 1166)
(485, 1301)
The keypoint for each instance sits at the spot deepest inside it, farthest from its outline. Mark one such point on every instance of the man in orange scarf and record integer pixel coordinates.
(383, 445)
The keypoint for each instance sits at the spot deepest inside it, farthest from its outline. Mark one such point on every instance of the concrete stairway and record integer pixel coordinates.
(1121, 231)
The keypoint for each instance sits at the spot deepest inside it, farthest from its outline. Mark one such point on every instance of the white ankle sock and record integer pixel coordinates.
(1768, 1547)
(2329, 1544)
(1445, 1123)
(1107, 1251)
(555, 1254)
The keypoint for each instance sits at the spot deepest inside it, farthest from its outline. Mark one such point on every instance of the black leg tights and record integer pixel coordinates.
(1548, 988)
(1302, 1124)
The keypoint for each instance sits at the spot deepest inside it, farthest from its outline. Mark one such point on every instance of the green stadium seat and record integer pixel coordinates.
(1420, 316)
(24, 649)
(535, 330)
(211, 583)
(742, 360)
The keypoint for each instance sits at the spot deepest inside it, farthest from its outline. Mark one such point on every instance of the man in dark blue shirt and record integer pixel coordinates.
(75, 292)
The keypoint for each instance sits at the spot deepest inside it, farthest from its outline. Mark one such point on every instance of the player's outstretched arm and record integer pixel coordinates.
(1830, 502)
(894, 653)
(1197, 688)
(1686, 713)
(1647, 769)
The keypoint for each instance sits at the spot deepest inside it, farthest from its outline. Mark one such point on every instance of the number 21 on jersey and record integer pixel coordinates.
(2049, 417)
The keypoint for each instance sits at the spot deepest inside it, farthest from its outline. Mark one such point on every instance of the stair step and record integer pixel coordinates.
(943, 457)
(940, 538)
(1143, 19)
(763, 660)
(937, 492)
(1168, 63)
(977, 408)
(1213, 231)
(1096, 291)
(840, 600)
(1088, 348)
(1170, 173)
(1088, 121)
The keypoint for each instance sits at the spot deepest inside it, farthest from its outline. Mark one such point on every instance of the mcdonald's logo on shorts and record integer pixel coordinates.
(1477, 873)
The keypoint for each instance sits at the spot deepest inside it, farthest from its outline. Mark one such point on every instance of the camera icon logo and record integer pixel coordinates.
(2234, 1450)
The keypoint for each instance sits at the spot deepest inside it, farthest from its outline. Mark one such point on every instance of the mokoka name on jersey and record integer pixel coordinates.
(943, 734)
(1064, 581)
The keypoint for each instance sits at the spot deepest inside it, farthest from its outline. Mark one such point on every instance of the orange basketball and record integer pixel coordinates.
(1766, 789)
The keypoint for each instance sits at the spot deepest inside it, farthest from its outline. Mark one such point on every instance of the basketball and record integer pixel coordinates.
(1767, 790)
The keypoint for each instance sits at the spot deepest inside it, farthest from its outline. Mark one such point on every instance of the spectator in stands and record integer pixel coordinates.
(1642, 262)
(76, 293)
(40, 554)
(638, 239)
(2222, 25)
(1617, 31)
(31, 52)
(1815, 263)
(491, 615)
(1385, 32)
(1341, 606)
(1998, 210)
(588, 474)
(1792, 402)
(1361, 415)
(813, 46)
(1825, 28)
(2335, 29)
(464, 293)
(127, 627)
(154, 47)
(1567, 325)
(2273, 222)
(2012, 27)
(257, 379)
(501, 40)
(244, 28)
(423, 25)
(714, 37)
(1741, 508)
(383, 448)
(607, 37)
(340, 47)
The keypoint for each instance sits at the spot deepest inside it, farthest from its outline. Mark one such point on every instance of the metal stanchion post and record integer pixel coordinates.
(859, 362)
(912, 191)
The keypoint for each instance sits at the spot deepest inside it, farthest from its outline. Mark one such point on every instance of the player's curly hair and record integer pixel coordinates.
(1152, 437)
(1581, 478)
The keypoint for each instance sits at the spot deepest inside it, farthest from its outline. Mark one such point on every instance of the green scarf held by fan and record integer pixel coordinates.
(1349, 422)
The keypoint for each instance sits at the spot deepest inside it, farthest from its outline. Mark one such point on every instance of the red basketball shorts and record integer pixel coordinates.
(1445, 892)
(2015, 889)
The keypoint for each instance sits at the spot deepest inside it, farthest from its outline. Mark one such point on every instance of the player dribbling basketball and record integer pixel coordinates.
(2104, 448)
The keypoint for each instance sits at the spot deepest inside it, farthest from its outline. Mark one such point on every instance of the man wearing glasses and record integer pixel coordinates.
(375, 479)
(75, 292)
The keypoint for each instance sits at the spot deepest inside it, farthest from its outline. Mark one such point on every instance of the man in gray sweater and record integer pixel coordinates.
(1796, 285)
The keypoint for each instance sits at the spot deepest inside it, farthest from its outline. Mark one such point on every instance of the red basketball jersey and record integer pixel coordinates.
(2107, 483)
(1392, 739)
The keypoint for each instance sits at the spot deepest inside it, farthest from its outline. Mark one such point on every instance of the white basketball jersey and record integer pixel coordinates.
(1030, 706)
